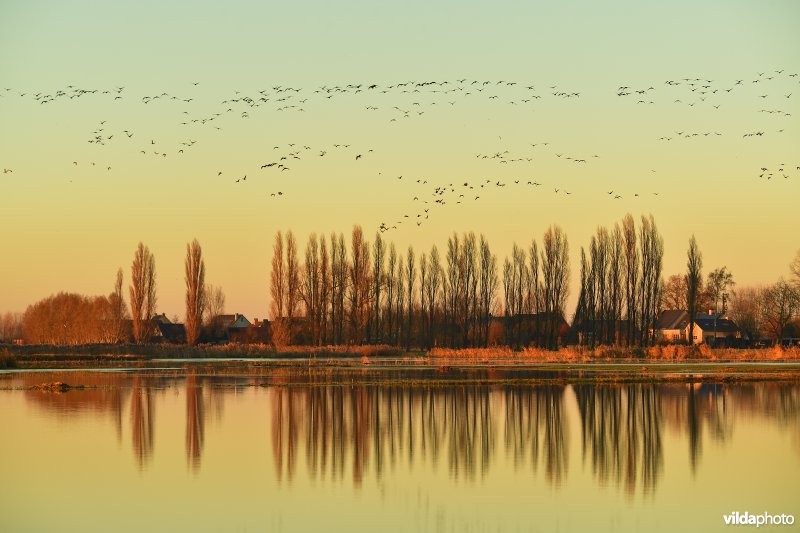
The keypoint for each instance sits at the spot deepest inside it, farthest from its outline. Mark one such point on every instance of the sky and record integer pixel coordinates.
(69, 221)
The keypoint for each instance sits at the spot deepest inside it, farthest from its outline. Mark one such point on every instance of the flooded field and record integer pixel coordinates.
(221, 447)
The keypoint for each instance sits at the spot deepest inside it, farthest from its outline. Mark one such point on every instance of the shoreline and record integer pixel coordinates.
(38, 356)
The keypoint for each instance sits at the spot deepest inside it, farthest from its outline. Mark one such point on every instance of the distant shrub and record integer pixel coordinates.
(7, 359)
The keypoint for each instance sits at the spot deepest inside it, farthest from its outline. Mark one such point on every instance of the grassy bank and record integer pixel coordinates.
(205, 351)
(577, 354)
(10, 356)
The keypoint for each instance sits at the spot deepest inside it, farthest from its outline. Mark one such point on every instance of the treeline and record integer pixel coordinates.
(374, 293)
(10, 326)
(73, 319)
(67, 318)
(352, 292)
(621, 286)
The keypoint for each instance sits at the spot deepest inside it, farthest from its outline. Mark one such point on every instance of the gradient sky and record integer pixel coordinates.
(69, 227)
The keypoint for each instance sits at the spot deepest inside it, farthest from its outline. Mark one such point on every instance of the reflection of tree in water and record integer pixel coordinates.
(535, 428)
(787, 409)
(372, 427)
(195, 420)
(141, 421)
(621, 432)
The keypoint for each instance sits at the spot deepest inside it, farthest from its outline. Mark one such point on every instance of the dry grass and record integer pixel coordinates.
(577, 354)
(203, 351)
(10, 357)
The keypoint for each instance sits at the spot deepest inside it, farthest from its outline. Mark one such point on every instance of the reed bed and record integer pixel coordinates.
(578, 354)
(11, 356)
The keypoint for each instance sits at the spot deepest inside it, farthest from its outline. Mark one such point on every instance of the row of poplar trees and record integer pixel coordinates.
(373, 293)
(621, 285)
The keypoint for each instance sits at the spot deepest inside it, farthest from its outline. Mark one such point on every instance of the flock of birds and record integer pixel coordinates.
(419, 98)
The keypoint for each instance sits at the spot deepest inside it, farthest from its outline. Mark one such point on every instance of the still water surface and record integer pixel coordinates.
(332, 449)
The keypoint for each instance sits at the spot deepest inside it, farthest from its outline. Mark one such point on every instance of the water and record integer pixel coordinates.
(321, 449)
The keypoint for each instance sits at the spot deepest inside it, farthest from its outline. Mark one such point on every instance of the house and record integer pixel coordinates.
(225, 327)
(166, 331)
(527, 328)
(673, 326)
(235, 320)
(594, 332)
(259, 332)
(714, 329)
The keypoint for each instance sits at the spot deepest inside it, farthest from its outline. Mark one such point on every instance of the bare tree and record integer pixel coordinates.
(488, 286)
(278, 283)
(469, 280)
(118, 308)
(359, 285)
(310, 288)
(780, 305)
(399, 309)
(377, 284)
(555, 274)
(432, 286)
(519, 289)
(292, 282)
(631, 274)
(215, 307)
(746, 310)
(794, 268)
(675, 292)
(615, 275)
(453, 287)
(411, 277)
(535, 293)
(324, 288)
(195, 277)
(11, 326)
(391, 288)
(339, 271)
(719, 282)
(66, 318)
(694, 267)
(143, 293)
(579, 320)
(278, 279)
(651, 246)
(423, 300)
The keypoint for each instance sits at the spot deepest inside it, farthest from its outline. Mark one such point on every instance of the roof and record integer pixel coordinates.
(672, 319)
(235, 320)
(172, 332)
(162, 318)
(723, 325)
